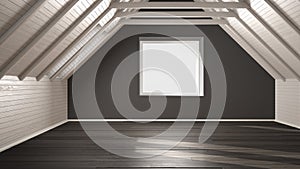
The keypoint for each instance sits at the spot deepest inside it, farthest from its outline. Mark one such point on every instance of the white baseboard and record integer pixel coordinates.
(287, 124)
(171, 120)
(32, 135)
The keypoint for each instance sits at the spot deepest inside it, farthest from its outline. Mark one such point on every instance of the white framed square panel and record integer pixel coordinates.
(171, 66)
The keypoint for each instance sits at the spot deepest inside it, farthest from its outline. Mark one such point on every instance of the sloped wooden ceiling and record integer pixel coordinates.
(53, 38)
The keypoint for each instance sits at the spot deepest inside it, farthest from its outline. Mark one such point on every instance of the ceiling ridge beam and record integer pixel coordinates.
(256, 51)
(283, 16)
(24, 18)
(269, 48)
(103, 41)
(44, 30)
(71, 59)
(174, 14)
(274, 33)
(58, 40)
(178, 5)
(73, 44)
(175, 22)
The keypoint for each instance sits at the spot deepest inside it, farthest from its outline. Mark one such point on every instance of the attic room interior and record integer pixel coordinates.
(128, 84)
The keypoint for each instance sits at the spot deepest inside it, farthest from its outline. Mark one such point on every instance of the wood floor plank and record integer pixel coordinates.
(233, 145)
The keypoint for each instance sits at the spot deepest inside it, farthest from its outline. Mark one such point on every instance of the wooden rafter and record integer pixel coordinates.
(101, 31)
(55, 44)
(18, 56)
(273, 69)
(151, 18)
(283, 16)
(29, 14)
(103, 41)
(274, 33)
(228, 26)
(70, 47)
(267, 46)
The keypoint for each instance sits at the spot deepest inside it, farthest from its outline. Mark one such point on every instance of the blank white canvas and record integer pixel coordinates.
(170, 67)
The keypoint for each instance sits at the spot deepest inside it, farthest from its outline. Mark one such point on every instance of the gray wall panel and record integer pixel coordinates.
(250, 90)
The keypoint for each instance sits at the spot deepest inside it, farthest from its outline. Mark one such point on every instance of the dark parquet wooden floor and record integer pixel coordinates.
(234, 145)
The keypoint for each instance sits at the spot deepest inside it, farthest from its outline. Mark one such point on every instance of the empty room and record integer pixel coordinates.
(138, 84)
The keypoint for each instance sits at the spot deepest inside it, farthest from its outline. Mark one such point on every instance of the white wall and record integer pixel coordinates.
(288, 102)
(29, 107)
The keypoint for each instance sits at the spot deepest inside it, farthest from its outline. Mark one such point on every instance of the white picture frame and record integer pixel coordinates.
(157, 52)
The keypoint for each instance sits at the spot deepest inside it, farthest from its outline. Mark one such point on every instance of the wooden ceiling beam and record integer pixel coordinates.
(101, 43)
(274, 33)
(175, 22)
(177, 5)
(55, 44)
(42, 33)
(29, 14)
(273, 69)
(67, 63)
(174, 14)
(283, 16)
(73, 44)
(71, 59)
(269, 48)
(228, 28)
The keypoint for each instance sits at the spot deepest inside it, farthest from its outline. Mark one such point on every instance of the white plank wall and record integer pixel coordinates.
(288, 102)
(29, 107)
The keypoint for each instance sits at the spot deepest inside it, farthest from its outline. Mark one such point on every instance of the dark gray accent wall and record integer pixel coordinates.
(250, 90)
